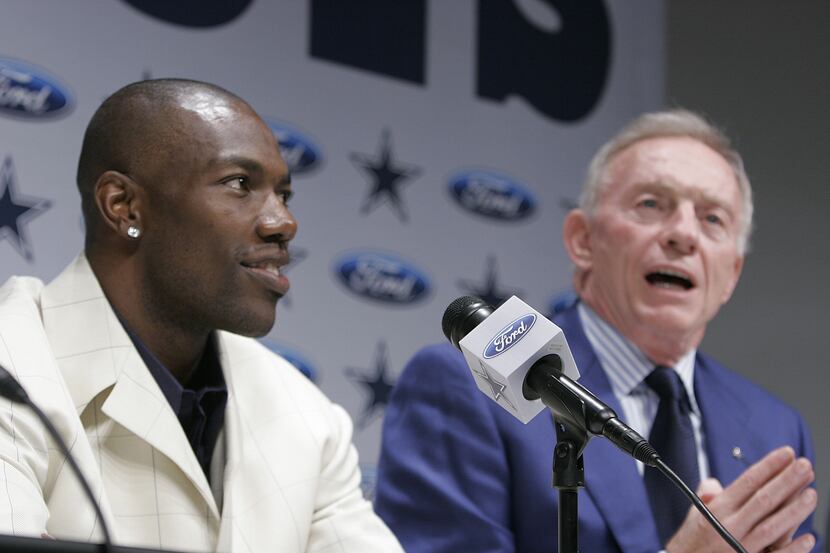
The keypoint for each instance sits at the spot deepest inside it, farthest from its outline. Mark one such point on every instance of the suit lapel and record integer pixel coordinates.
(726, 425)
(233, 452)
(269, 486)
(611, 477)
(95, 353)
(137, 404)
(243, 468)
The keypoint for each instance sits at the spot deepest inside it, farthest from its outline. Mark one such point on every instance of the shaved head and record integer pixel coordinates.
(139, 127)
(185, 197)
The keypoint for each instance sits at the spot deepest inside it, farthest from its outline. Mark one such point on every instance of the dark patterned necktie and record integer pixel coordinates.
(673, 437)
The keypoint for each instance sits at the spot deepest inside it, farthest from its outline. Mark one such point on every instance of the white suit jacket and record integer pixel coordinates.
(291, 481)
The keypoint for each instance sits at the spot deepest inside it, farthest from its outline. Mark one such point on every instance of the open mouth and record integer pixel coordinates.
(670, 279)
(268, 266)
(268, 272)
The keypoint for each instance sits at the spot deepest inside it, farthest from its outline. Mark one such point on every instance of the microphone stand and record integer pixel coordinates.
(568, 477)
(571, 438)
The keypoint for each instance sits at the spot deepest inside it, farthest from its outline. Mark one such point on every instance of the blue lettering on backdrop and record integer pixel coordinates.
(562, 74)
(382, 277)
(299, 151)
(30, 92)
(192, 13)
(492, 195)
(382, 36)
(560, 69)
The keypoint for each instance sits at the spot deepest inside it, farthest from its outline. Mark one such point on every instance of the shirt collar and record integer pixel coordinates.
(625, 365)
(208, 377)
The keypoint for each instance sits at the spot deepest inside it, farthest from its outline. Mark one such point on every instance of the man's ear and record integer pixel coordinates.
(737, 267)
(576, 234)
(118, 200)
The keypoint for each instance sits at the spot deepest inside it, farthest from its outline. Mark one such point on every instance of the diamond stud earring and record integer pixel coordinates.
(133, 232)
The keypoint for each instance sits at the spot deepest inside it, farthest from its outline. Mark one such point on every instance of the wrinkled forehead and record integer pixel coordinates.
(678, 162)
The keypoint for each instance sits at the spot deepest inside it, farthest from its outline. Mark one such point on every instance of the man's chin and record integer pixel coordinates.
(252, 324)
(670, 319)
(254, 332)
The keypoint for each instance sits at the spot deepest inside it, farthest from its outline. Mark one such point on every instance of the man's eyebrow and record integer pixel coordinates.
(240, 161)
(659, 185)
(250, 165)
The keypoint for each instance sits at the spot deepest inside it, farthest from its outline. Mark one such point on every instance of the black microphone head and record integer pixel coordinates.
(463, 315)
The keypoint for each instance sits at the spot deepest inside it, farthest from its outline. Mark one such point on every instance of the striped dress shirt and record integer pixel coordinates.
(626, 368)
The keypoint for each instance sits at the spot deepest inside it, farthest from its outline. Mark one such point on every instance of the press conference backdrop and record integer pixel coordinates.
(434, 147)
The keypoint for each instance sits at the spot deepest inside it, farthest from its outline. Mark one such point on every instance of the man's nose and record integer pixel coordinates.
(682, 231)
(276, 222)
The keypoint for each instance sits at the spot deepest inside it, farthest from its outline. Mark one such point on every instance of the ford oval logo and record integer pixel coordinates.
(509, 336)
(299, 151)
(30, 92)
(492, 195)
(382, 277)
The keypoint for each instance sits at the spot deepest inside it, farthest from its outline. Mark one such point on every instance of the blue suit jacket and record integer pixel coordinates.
(457, 473)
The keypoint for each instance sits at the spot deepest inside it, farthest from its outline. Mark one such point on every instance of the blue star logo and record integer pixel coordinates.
(489, 290)
(16, 210)
(387, 178)
(376, 382)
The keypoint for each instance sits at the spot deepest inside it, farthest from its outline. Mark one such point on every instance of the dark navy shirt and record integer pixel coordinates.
(200, 404)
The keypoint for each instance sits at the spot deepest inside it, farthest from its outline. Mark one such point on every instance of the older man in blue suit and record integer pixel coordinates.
(658, 243)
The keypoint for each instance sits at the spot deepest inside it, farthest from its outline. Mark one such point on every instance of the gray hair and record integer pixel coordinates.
(675, 122)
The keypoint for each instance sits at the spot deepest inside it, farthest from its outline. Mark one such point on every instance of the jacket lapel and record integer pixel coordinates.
(726, 425)
(270, 482)
(611, 477)
(95, 353)
(137, 404)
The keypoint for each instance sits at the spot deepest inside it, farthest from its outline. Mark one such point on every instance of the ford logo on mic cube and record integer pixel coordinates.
(501, 350)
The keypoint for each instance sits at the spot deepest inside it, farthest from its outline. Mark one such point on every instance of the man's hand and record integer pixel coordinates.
(762, 509)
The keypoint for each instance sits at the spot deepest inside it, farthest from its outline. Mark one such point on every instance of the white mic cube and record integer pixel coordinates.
(503, 347)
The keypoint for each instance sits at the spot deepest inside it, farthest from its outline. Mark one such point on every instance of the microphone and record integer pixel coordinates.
(522, 361)
(14, 392)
